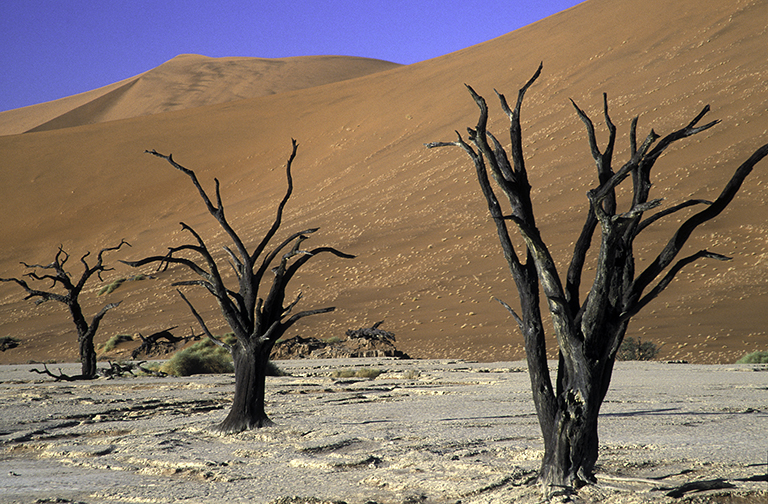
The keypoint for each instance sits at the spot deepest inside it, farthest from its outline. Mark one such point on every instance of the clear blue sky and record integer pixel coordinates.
(50, 49)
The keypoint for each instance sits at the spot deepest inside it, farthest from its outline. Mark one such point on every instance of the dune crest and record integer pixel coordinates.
(188, 81)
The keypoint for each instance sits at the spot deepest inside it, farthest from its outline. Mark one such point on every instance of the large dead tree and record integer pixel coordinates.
(59, 277)
(589, 331)
(257, 322)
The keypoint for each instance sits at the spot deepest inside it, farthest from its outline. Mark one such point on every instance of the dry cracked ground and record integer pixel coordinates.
(421, 431)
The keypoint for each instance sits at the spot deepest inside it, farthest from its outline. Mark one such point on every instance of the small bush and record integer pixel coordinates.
(356, 373)
(637, 350)
(206, 357)
(115, 340)
(754, 358)
(112, 286)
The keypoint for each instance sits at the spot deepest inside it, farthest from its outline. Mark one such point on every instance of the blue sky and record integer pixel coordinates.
(50, 49)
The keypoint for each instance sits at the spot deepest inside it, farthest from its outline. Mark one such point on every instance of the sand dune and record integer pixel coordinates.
(428, 261)
(188, 81)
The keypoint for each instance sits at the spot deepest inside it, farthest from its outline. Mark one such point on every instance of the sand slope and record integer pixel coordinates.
(427, 257)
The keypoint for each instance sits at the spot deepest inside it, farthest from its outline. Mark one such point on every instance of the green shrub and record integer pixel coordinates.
(112, 286)
(356, 373)
(754, 358)
(206, 357)
(637, 350)
(203, 357)
(115, 340)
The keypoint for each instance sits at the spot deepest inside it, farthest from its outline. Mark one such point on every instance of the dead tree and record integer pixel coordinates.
(257, 322)
(589, 331)
(372, 333)
(161, 342)
(58, 276)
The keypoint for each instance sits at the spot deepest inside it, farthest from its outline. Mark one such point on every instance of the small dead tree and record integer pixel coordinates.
(257, 322)
(161, 342)
(58, 276)
(589, 331)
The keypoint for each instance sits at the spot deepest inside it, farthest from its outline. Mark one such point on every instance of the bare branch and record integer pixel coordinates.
(202, 323)
(97, 319)
(689, 130)
(596, 154)
(653, 293)
(515, 316)
(235, 263)
(59, 377)
(301, 235)
(650, 220)
(279, 217)
(216, 211)
(287, 310)
(165, 260)
(677, 241)
(288, 323)
(191, 174)
(639, 209)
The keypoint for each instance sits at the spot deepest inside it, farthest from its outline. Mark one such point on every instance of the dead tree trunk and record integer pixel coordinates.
(589, 332)
(85, 332)
(257, 322)
(247, 410)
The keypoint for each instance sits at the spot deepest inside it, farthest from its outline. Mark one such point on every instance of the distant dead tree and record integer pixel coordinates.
(590, 331)
(257, 322)
(161, 342)
(58, 276)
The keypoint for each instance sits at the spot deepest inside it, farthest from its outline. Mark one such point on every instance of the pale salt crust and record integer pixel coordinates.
(422, 431)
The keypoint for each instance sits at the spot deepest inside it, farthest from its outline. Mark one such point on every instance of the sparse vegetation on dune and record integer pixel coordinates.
(113, 285)
(754, 358)
(114, 341)
(110, 287)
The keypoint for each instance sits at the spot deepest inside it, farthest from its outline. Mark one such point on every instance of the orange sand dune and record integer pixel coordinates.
(187, 81)
(428, 261)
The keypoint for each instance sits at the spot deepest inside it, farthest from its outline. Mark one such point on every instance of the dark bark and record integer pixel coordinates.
(248, 410)
(589, 331)
(161, 342)
(87, 356)
(70, 297)
(257, 321)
